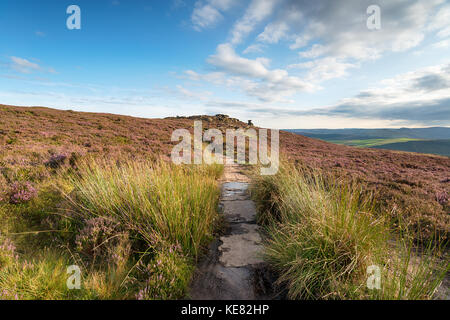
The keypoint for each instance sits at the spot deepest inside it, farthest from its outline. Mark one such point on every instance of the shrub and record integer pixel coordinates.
(324, 235)
(156, 213)
(56, 160)
(3, 189)
(102, 239)
(167, 276)
(156, 201)
(20, 192)
(442, 197)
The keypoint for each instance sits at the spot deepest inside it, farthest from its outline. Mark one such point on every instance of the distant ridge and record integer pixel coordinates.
(413, 133)
(433, 140)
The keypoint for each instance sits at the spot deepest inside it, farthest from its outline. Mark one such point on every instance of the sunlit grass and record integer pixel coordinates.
(134, 227)
(160, 202)
(324, 234)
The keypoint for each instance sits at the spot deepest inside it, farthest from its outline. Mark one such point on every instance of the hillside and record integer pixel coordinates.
(433, 140)
(412, 185)
(441, 147)
(431, 133)
(31, 135)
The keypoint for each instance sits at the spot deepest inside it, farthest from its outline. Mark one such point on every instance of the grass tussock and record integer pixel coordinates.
(323, 235)
(158, 202)
(135, 228)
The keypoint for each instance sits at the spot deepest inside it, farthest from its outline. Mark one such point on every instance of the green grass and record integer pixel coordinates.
(368, 143)
(135, 228)
(324, 233)
(160, 202)
(440, 147)
(41, 278)
(122, 140)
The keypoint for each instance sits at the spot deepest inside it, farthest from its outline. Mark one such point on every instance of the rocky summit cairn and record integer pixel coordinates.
(222, 120)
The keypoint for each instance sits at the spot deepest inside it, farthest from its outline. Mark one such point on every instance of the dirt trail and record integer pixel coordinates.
(233, 268)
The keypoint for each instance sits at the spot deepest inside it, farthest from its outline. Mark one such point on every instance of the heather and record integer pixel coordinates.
(324, 232)
(35, 136)
(134, 227)
(412, 188)
(35, 139)
(96, 190)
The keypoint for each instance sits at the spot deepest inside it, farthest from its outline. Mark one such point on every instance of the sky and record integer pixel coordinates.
(281, 63)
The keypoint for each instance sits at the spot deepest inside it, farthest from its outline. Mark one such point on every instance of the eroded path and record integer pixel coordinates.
(233, 268)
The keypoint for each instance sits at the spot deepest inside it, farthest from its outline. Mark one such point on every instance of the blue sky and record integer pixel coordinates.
(281, 63)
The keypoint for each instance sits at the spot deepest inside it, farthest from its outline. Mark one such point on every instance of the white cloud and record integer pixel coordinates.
(442, 44)
(315, 51)
(279, 29)
(441, 20)
(23, 65)
(421, 97)
(208, 13)
(274, 32)
(341, 26)
(299, 42)
(217, 78)
(324, 69)
(227, 59)
(257, 11)
(192, 94)
(339, 36)
(444, 32)
(252, 75)
(254, 48)
(205, 16)
(333, 39)
(429, 83)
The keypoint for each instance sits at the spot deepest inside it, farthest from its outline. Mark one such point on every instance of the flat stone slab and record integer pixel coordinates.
(239, 211)
(222, 283)
(230, 270)
(235, 186)
(234, 175)
(232, 191)
(234, 197)
(243, 249)
(236, 283)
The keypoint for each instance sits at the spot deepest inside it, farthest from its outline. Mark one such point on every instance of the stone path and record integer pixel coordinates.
(233, 268)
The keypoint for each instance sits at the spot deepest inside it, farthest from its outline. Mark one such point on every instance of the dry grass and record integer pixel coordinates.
(323, 234)
(413, 188)
(134, 227)
(41, 148)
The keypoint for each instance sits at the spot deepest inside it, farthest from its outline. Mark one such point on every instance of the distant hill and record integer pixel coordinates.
(432, 133)
(434, 140)
(441, 147)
